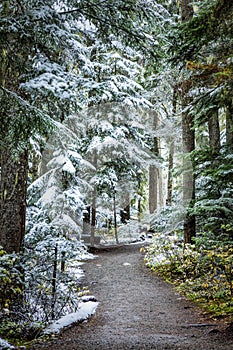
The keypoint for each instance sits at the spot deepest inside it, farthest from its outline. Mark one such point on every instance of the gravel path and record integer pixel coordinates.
(137, 310)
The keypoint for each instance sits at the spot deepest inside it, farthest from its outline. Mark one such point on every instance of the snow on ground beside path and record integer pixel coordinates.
(5, 345)
(86, 309)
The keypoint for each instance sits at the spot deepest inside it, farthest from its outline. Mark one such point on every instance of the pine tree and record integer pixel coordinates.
(209, 62)
(46, 41)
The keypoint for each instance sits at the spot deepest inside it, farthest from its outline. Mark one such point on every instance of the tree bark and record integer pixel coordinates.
(160, 189)
(93, 222)
(186, 10)
(153, 188)
(170, 167)
(54, 281)
(13, 190)
(214, 132)
(93, 206)
(14, 170)
(171, 151)
(154, 173)
(188, 137)
(115, 217)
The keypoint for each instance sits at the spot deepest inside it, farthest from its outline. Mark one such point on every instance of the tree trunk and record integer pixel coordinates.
(153, 188)
(54, 282)
(93, 221)
(169, 178)
(115, 217)
(160, 189)
(93, 205)
(186, 10)
(14, 171)
(188, 137)
(63, 261)
(154, 173)
(171, 151)
(87, 221)
(13, 190)
(214, 132)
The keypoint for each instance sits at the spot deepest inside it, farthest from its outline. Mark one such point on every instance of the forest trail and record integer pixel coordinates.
(137, 310)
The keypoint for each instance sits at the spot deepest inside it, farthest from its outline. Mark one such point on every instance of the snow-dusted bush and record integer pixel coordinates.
(52, 247)
(52, 275)
(165, 248)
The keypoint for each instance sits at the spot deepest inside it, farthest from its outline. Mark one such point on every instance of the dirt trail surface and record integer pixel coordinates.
(137, 310)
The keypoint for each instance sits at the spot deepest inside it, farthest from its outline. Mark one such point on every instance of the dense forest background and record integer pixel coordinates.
(116, 120)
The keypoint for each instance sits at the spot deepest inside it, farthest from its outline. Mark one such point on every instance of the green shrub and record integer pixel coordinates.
(11, 280)
(204, 276)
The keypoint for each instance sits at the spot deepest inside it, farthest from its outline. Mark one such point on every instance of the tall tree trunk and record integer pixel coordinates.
(171, 151)
(54, 281)
(93, 221)
(93, 206)
(154, 173)
(153, 188)
(170, 167)
(160, 188)
(188, 137)
(214, 132)
(13, 190)
(188, 181)
(13, 172)
(115, 217)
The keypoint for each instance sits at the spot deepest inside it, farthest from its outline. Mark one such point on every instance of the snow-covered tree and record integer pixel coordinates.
(52, 246)
(43, 49)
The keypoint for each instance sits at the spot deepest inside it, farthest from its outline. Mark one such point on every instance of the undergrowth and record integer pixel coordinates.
(203, 275)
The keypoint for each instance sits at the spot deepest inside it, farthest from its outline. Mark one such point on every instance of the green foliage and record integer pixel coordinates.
(213, 285)
(214, 204)
(165, 248)
(23, 330)
(11, 282)
(206, 59)
(198, 34)
(205, 276)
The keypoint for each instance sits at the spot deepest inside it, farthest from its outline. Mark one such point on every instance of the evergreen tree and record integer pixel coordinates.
(40, 45)
(209, 61)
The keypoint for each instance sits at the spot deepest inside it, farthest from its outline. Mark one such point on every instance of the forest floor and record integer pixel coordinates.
(137, 310)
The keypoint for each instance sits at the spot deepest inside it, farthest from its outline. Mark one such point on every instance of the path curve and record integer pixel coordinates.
(137, 310)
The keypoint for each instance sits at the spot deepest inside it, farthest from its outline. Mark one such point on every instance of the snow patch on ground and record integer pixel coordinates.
(87, 308)
(5, 345)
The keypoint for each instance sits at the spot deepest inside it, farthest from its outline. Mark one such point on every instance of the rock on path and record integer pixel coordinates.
(137, 310)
